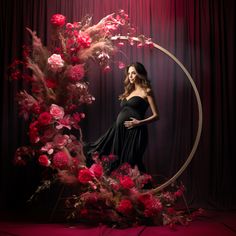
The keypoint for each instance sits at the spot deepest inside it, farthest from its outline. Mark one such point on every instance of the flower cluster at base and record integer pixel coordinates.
(56, 91)
(122, 199)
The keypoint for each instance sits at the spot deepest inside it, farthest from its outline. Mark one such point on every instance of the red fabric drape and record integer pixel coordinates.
(199, 33)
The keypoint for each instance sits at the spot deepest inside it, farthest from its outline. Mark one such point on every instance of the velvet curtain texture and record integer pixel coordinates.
(199, 33)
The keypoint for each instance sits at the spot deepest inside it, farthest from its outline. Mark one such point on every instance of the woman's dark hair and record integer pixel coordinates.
(142, 76)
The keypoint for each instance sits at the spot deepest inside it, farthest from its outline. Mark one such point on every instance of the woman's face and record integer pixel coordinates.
(132, 75)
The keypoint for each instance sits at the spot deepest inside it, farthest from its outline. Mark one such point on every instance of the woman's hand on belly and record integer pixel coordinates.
(131, 123)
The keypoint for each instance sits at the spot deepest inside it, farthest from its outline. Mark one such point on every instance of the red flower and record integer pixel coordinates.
(33, 132)
(97, 170)
(44, 161)
(58, 20)
(145, 198)
(45, 118)
(75, 73)
(152, 207)
(125, 207)
(50, 83)
(171, 210)
(36, 108)
(61, 160)
(85, 175)
(126, 182)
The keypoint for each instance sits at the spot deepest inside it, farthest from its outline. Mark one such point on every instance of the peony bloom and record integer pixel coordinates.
(97, 170)
(85, 175)
(75, 73)
(55, 62)
(56, 111)
(61, 160)
(43, 160)
(58, 20)
(125, 207)
(45, 118)
(126, 182)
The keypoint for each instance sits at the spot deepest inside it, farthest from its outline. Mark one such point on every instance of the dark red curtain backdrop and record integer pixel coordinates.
(199, 33)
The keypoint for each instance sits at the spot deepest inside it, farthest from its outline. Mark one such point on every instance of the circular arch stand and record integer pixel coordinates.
(199, 104)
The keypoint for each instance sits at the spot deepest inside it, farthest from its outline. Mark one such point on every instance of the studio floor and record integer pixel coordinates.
(212, 223)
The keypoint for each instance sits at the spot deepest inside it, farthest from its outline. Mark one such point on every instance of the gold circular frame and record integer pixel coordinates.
(199, 104)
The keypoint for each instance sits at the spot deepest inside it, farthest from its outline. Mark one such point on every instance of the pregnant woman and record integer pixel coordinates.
(127, 138)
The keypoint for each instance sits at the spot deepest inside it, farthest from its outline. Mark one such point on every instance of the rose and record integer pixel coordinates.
(126, 182)
(58, 20)
(45, 118)
(97, 170)
(61, 160)
(55, 62)
(84, 176)
(125, 207)
(75, 73)
(56, 111)
(43, 160)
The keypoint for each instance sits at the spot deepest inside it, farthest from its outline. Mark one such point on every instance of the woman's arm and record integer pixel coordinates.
(155, 115)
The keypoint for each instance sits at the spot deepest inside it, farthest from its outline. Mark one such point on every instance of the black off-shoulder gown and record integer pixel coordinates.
(127, 144)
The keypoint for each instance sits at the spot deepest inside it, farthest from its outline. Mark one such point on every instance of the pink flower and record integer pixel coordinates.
(45, 118)
(55, 62)
(43, 160)
(107, 69)
(65, 122)
(85, 175)
(75, 73)
(121, 65)
(97, 170)
(48, 148)
(61, 160)
(60, 140)
(126, 182)
(58, 20)
(69, 26)
(56, 111)
(125, 207)
(83, 40)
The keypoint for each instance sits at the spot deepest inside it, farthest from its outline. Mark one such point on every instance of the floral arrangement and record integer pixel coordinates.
(57, 89)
